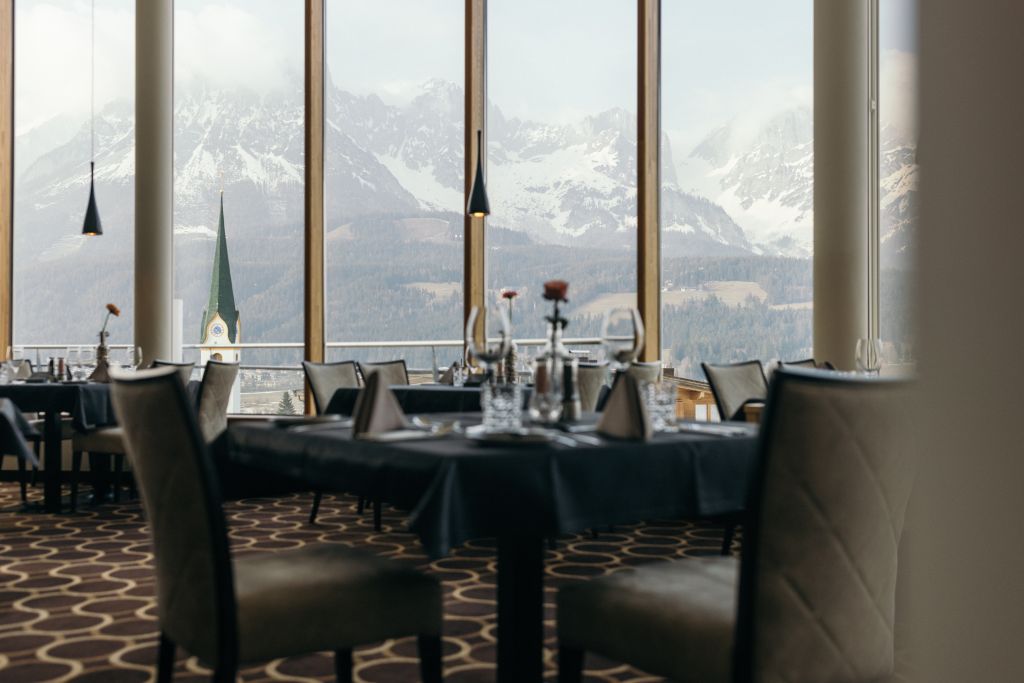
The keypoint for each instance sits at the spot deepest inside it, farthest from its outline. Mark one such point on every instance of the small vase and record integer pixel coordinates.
(102, 372)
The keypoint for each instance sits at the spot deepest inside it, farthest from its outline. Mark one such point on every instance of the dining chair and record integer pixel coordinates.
(184, 368)
(646, 372)
(590, 378)
(734, 385)
(232, 611)
(214, 397)
(15, 433)
(395, 372)
(211, 407)
(325, 379)
(813, 596)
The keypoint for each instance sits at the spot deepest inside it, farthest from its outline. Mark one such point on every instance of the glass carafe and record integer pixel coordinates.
(549, 377)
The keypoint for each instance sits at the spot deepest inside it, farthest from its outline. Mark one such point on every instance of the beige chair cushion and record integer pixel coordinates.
(104, 440)
(393, 372)
(67, 429)
(326, 597)
(326, 378)
(733, 385)
(673, 619)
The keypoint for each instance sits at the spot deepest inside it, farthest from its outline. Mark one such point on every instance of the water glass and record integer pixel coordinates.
(459, 375)
(502, 406)
(869, 356)
(660, 399)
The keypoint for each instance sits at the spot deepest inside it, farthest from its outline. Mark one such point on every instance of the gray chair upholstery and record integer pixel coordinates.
(261, 606)
(590, 379)
(214, 396)
(393, 372)
(185, 369)
(733, 385)
(813, 598)
(15, 431)
(646, 372)
(326, 378)
(212, 406)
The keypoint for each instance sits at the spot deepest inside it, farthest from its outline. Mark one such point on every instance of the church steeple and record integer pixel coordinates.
(222, 295)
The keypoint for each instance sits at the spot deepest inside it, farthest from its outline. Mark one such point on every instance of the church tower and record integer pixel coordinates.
(221, 329)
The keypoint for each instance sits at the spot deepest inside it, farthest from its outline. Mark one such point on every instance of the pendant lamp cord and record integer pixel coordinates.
(92, 88)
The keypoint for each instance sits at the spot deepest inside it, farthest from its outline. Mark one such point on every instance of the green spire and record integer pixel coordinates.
(222, 295)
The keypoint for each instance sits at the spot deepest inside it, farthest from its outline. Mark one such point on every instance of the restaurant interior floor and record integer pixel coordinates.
(77, 591)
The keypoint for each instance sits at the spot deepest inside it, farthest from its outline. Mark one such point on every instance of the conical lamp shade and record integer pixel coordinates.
(92, 225)
(478, 205)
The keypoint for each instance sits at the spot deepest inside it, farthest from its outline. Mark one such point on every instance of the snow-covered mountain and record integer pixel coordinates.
(763, 177)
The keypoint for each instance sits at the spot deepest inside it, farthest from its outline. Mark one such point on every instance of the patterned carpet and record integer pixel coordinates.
(76, 591)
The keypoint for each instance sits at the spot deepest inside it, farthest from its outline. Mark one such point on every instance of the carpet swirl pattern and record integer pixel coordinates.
(77, 591)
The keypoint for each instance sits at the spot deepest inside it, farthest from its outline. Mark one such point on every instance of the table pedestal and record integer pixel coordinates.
(520, 609)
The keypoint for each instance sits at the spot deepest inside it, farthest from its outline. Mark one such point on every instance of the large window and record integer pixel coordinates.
(62, 280)
(394, 178)
(562, 134)
(239, 127)
(897, 123)
(737, 181)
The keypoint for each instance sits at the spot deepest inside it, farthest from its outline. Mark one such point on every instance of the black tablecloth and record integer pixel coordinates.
(88, 404)
(456, 490)
(420, 398)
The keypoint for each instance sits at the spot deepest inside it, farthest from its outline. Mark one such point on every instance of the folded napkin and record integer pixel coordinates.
(377, 409)
(625, 412)
(448, 376)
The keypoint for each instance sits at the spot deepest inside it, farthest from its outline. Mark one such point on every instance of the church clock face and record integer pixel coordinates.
(217, 330)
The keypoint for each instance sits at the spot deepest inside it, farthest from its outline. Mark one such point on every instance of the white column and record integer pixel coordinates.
(154, 177)
(967, 568)
(841, 177)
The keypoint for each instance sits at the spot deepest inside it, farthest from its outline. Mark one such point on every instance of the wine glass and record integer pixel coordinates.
(501, 404)
(622, 335)
(74, 361)
(496, 337)
(87, 360)
(869, 355)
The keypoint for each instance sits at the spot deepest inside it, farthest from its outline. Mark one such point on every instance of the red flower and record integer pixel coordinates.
(113, 309)
(556, 290)
(509, 294)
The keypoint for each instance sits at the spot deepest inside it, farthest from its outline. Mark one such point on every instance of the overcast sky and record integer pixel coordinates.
(550, 60)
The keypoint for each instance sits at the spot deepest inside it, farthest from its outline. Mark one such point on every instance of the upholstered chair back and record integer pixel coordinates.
(818, 574)
(184, 369)
(326, 378)
(590, 379)
(646, 372)
(393, 372)
(195, 592)
(214, 396)
(733, 385)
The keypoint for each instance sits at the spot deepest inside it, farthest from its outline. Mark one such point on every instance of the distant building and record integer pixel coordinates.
(221, 331)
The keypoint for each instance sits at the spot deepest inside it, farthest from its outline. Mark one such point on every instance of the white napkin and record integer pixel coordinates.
(448, 376)
(625, 413)
(377, 409)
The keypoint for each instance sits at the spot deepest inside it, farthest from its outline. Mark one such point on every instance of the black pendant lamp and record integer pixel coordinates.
(478, 204)
(92, 225)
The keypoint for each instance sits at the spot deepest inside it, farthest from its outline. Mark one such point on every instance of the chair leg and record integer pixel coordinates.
(570, 665)
(727, 535)
(317, 495)
(343, 665)
(376, 514)
(118, 475)
(165, 659)
(225, 673)
(22, 480)
(430, 659)
(37, 447)
(76, 473)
